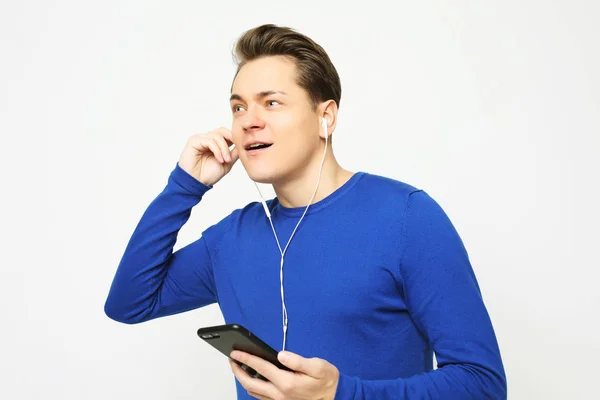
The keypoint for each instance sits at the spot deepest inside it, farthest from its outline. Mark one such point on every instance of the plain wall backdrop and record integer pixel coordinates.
(490, 106)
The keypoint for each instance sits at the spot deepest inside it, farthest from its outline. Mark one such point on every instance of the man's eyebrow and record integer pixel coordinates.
(258, 95)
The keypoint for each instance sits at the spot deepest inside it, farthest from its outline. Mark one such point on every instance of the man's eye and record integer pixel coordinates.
(272, 101)
(235, 108)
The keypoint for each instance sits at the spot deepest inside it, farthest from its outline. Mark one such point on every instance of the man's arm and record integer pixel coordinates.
(152, 281)
(445, 302)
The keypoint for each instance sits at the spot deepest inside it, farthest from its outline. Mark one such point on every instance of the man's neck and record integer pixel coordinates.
(297, 192)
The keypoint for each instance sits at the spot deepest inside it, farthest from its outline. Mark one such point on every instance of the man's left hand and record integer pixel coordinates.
(313, 378)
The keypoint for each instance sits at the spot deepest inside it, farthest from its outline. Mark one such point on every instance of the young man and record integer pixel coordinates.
(376, 277)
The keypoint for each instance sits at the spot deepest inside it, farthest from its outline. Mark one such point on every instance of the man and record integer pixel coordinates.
(376, 277)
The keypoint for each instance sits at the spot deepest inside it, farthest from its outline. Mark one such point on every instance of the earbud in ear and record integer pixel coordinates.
(325, 127)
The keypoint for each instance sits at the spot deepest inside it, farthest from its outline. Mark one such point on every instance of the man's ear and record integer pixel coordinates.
(329, 111)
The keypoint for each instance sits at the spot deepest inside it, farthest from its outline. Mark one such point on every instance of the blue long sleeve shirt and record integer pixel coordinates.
(376, 279)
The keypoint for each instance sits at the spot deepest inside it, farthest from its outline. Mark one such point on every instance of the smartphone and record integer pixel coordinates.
(227, 338)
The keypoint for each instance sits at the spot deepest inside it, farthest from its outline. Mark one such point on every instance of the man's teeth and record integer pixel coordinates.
(257, 145)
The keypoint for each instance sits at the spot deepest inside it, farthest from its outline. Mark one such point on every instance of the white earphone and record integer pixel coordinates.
(325, 127)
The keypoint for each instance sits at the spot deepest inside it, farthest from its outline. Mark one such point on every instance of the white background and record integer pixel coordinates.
(490, 106)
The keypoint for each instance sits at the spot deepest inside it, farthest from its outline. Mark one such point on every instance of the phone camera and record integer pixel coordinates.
(210, 336)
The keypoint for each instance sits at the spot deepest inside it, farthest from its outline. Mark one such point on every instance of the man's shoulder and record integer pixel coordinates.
(386, 185)
(384, 198)
(244, 216)
(251, 210)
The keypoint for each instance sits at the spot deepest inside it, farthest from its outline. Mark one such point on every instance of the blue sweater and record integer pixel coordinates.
(376, 279)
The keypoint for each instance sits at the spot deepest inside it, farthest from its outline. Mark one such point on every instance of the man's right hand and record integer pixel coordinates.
(207, 157)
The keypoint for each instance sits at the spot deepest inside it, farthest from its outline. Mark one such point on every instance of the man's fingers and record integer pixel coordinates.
(225, 134)
(263, 367)
(256, 387)
(235, 154)
(201, 142)
(222, 143)
(224, 149)
(258, 364)
(258, 396)
(313, 367)
(216, 150)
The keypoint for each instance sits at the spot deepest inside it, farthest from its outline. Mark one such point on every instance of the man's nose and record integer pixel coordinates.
(252, 120)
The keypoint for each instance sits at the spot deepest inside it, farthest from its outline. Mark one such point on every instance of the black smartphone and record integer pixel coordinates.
(227, 338)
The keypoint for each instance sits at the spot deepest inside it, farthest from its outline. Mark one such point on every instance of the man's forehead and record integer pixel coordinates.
(269, 73)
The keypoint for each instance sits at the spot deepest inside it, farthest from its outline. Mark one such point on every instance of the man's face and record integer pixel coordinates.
(269, 107)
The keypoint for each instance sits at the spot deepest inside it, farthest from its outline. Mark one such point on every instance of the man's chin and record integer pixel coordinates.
(261, 176)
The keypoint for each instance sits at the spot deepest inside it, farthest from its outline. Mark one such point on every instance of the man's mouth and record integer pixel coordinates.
(258, 146)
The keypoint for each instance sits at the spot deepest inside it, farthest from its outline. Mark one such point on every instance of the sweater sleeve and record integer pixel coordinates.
(445, 302)
(151, 280)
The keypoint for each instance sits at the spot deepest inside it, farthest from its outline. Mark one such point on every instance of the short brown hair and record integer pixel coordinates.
(316, 73)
